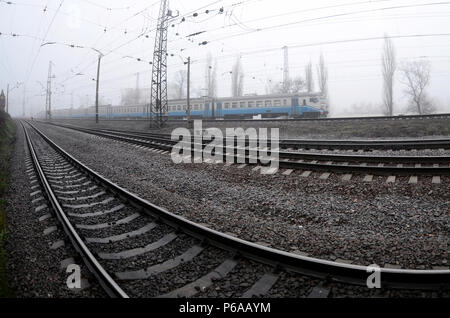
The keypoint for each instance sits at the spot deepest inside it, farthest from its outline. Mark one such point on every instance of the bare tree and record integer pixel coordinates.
(291, 86)
(179, 84)
(237, 78)
(322, 77)
(134, 96)
(416, 77)
(269, 86)
(388, 68)
(128, 96)
(309, 81)
(211, 76)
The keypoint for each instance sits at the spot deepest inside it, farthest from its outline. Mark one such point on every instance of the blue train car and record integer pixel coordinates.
(265, 106)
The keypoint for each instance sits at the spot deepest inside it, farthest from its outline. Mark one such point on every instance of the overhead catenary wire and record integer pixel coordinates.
(300, 45)
(45, 36)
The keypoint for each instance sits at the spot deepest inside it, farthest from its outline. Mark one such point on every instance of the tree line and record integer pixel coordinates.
(414, 75)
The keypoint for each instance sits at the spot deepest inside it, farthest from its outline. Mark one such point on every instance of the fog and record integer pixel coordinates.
(348, 33)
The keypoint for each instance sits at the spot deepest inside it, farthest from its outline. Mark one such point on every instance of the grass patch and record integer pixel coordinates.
(7, 137)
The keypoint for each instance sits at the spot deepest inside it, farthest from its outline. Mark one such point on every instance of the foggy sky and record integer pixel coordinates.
(251, 29)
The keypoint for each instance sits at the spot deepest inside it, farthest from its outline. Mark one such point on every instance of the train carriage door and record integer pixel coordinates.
(219, 110)
(294, 106)
(206, 112)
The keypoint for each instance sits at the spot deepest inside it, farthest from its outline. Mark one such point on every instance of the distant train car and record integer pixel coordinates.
(267, 106)
(263, 106)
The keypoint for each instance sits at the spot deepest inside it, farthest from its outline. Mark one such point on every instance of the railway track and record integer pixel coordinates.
(135, 248)
(350, 119)
(295, 160)
(307, 144)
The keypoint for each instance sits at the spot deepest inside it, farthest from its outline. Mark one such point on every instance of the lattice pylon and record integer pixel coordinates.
(158, 111)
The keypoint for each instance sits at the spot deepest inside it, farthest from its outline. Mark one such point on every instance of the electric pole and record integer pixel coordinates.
(158, 98)
(48, 98)
(188, 90)
(137, 93)
(23, 102)
(96, 90)
(285, 69)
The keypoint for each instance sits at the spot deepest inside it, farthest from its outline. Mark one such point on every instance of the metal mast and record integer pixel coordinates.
(23, 102)
(137, 94)
(158, 100)
(286, 69)
(48, 98)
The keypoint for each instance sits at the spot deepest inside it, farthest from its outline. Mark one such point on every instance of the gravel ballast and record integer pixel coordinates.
(33, 269)
(383, 223)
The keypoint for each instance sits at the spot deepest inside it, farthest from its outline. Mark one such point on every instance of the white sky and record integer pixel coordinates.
(249, 28)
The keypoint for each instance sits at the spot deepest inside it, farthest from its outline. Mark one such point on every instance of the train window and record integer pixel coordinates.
(277, 102)
(196, 107)
(227, 105)
(184, 107)
(251, 104)
(234, 104)
(259, 103)
(242, 104)
(268, 103)
(284, 102)
(178, 107)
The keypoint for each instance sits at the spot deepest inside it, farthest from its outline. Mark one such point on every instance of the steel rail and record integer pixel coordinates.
(167, 145)
(360, 118)
(334, 271)
(348, 144)
(105, 280)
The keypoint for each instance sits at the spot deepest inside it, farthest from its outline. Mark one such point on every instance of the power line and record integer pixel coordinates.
(46, 33)
(325, 17)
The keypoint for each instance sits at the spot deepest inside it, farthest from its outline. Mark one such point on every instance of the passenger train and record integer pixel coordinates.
(262, 106)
